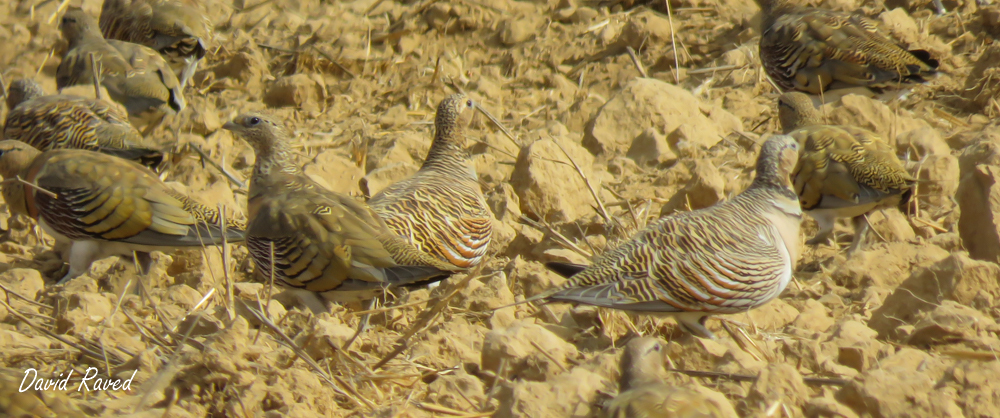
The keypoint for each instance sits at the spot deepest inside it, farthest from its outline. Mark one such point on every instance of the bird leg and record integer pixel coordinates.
(362, 324)
(825, 220)
(939, 7)
(190, 66)
(81, 255)
(694, 323)
(860, 232)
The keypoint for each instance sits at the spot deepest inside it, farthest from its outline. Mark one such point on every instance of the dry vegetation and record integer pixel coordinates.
(905, 328)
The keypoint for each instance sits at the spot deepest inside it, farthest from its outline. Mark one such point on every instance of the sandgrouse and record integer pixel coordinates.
(728, 258)
(63, 121)
(441, 209)
(104, 205)
(843, 171)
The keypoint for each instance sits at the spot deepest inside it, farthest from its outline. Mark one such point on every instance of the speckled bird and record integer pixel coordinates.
(843, 171)
(134, 75)
(644, 393)
(178, 31)
(322, 241)
(105, 205)
(441, 209)
(813, 50)
(62, 121)
(728, 258)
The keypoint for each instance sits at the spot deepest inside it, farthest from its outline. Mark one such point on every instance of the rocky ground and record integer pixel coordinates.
(907, 327)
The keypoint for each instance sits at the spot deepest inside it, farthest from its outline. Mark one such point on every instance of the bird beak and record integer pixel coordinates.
(230, 126)
(498, 124)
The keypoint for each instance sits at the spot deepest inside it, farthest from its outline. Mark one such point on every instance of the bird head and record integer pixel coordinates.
(15, 156)
(453, 114)
(796, 110)
(76, 24)
(258, 130)
(22, 90)
(777, 159)
(642, 362)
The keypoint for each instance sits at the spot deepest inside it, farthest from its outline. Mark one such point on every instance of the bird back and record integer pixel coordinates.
(72, 122)
(842, 166)
(107, 198)
(809, 49)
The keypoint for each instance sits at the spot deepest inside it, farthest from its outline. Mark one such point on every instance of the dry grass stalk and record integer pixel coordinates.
(426, 318)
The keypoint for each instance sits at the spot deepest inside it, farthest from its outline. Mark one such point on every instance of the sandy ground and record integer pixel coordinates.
(905, 328)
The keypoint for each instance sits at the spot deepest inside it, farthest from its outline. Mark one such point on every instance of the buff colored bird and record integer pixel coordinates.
(813, 50)
(318, 240)
(134, 75)
(843, 171)
(441, 209)
(643, 393)
(178, 31)
(104, 205)
(63, 121)
(728, 258)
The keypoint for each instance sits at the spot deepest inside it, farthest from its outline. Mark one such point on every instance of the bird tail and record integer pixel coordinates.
(398, 276)
(145, 156)
(566, 270)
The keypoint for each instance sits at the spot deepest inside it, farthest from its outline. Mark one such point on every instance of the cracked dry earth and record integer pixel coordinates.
(907, 327)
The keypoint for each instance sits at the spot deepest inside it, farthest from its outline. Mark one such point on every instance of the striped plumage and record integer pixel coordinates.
(843, 171)
(177, 31)
(72, 122)
(324, 242)
(441, 209)
(134, 75)
(812, 50)
(727, 258)
(105, 205)
(643, 393)
(31, 402)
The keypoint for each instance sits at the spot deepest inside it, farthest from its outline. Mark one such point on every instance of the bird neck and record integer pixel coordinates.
(767, 6)
(632, 378)
(792, 120)
(770, 174)
(84, 35)
(446, 150)
(273, 159)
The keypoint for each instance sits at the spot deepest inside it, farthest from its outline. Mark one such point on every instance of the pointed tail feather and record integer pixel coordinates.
(566, 270)
(147, 157)
(399, 276)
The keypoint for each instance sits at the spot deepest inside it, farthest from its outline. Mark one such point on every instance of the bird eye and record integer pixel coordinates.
(469, 103)
(657, 347)
(254, 120)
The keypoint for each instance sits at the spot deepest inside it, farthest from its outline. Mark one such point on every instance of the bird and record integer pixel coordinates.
(179, 32)
(64, 121)
(644, 393)
(31, 402)
(134, 75)
(812, 50)
(727, 258)
(104, 205)
(843, 171)
(326, 243)
(441, 209)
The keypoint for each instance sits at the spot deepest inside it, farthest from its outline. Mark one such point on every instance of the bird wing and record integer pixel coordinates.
(107, 198)
(447, 220)
(844, 166)
(323, 241)
(721, 258)
(808, 49)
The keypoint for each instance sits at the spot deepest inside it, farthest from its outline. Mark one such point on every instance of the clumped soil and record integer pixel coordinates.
(907, 327)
